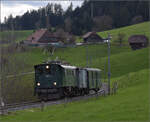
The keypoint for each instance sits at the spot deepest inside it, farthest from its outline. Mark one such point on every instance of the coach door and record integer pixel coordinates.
(82, 79)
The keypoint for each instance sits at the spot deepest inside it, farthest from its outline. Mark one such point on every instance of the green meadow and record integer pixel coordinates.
(130, 69)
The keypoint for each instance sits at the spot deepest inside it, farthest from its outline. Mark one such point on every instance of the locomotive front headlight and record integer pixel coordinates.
(38, 84)
(47, 67)
(55, 83)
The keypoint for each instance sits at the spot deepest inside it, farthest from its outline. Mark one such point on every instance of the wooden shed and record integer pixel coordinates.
(138, 41)
(92, 37)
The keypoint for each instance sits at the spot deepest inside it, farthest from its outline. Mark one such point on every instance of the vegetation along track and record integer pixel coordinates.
(40, 104)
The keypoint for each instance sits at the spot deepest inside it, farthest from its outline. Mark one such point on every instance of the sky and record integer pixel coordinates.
(19, 7)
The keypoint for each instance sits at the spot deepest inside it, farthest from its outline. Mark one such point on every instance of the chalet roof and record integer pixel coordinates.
(88, 34)
(37, 35)
(43, 36)
(138, 39)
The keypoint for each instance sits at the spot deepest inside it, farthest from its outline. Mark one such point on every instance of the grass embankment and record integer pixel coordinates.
(131, 103)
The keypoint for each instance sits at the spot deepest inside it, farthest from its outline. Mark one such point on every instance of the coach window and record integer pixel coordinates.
(65, 72)
(92, 78)
(72, 73)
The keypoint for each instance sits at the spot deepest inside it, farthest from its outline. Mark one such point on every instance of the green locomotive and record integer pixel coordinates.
(55, 80)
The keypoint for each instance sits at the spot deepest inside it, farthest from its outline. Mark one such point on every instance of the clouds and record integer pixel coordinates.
(20, 7)
(15, 9)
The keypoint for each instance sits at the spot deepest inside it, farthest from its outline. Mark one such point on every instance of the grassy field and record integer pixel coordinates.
(130, 69)
(131, 103)
(15, 35)
(142, 28)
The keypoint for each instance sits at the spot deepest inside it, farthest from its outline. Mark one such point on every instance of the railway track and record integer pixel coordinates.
(41, 104)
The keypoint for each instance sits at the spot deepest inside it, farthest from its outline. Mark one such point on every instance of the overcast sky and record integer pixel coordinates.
(15, 7)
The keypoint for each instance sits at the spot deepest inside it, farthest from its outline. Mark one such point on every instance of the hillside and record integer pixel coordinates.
(15, 35)
(142, 28)
(130, 69)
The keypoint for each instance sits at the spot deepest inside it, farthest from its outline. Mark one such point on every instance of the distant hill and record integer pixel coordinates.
(141, 28)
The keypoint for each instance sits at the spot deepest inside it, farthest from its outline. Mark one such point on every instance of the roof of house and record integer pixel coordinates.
(87, 35)
(36, 35)
(137, 39)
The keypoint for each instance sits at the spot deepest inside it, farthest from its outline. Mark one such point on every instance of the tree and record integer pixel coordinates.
(124, 17)
(137, 19)
(102, 23)
(68, 24)
(120, 37)
(69, 10)
(61, 34)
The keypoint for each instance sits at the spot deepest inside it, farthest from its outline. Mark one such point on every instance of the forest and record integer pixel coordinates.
(91, 16)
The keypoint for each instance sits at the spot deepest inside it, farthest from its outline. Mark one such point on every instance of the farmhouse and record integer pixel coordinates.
(138, 41)
(43, 36)
(92, 37)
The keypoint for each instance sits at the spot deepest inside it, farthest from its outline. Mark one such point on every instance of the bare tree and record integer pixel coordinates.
(68, 25)
(61, 34)
(137, 19)
(102, 23)
(120, 37)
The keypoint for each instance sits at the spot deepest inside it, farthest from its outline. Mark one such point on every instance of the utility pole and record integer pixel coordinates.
(91, 9)
(47, 18)
(109, 72)
(1, 78)
(87, 63)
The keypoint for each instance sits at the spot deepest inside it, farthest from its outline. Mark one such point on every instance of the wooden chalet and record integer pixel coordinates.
(92, 37)
(138, 41)
(43, 36)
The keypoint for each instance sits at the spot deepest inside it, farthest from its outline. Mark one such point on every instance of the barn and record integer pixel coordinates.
(92, 37)
(138, 41)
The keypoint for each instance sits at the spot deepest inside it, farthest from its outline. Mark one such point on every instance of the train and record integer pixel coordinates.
(57, 80)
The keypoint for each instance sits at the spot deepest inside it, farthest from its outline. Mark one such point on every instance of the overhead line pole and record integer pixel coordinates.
(91, 9)
(109, 68)
(1, 80)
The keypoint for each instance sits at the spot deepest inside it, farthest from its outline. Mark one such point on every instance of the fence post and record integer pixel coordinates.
(42, 106)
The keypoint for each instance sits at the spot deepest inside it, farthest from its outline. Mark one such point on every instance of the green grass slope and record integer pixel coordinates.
(130, 69)
(141, 28)
(131, 103)
(15, 35)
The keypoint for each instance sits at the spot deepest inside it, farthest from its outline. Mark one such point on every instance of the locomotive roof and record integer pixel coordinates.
(68, 67)
(92, 69)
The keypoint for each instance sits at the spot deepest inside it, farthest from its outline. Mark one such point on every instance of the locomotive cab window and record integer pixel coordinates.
(38, 70)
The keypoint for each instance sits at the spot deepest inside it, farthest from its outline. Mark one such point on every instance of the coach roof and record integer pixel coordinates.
(92, 69)
(68, 67)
